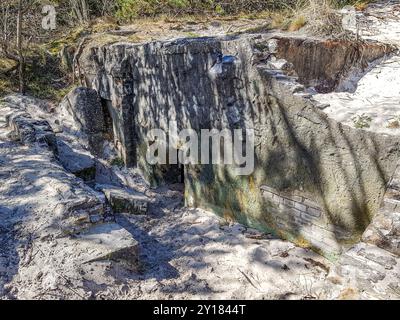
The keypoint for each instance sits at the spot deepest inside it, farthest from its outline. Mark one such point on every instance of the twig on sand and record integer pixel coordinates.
(317, 264)
(68, 286)
(248, 279)
(46, 293)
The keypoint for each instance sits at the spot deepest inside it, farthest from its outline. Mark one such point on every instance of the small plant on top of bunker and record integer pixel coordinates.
(362, 121)
(394, 123)
(117, 162)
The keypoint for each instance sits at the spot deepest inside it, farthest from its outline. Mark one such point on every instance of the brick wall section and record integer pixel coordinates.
(302, 218)
(297, 215)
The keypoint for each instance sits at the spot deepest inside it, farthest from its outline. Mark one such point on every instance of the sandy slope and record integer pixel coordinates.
(377, 94)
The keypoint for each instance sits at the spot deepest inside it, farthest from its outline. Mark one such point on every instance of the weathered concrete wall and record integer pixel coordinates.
(85, 107)
(339, 173)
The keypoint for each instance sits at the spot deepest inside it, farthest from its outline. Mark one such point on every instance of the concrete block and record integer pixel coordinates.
(391, 204)
(317, 213)
(125, 201)
(300, 206)
(269, 189)
(108, 242)
(288, 202)
(310, 203)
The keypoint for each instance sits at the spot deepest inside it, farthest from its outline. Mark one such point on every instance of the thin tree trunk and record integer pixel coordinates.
(21, 59)
(5, 23)
(85, 11)
(80, 9)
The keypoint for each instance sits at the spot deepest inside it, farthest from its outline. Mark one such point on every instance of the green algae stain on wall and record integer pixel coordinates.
(234, 198)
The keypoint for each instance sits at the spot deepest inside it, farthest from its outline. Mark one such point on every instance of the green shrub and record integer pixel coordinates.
(362, 121)
(131, 9)
(117, 162)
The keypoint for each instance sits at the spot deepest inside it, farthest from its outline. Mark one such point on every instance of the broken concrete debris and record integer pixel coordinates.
(109, 241)
(124, 200)
(45, 197)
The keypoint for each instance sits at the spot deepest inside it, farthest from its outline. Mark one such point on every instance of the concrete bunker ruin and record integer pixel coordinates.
(317, 182)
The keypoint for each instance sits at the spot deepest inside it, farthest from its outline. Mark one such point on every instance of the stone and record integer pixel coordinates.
(384, 230)
(281, 64)
(81, 164)
(78, 214)
(124, 200)
(34, 180)
(108, 242)
(376, 236)
(370, 269)
(28, 130)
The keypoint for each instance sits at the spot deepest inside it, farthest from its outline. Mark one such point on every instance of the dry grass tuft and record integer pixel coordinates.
(298, 23)
(321, 17)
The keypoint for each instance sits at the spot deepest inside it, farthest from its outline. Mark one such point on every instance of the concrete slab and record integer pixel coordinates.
(124, 200)
(110, 242)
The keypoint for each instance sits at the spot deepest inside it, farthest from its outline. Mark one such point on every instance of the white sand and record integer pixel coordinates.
(377, 94)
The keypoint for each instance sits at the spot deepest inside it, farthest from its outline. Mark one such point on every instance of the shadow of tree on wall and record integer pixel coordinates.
(298, 147)
(341, 168)
(345, 170)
